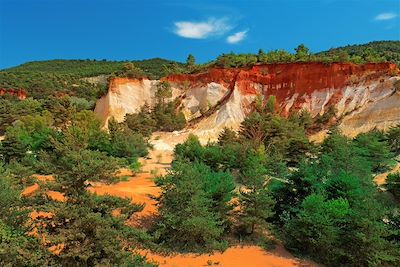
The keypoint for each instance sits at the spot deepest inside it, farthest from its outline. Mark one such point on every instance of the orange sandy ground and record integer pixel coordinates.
(246, 256)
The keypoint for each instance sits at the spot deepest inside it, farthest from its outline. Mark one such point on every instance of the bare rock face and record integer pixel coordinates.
(364, 95)
(125, 96)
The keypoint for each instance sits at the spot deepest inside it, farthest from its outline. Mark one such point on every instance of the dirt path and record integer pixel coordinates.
(141, 189)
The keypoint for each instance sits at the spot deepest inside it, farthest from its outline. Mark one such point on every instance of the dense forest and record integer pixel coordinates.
(320, 200)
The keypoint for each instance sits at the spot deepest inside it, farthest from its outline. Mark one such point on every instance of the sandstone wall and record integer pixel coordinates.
(364, 95)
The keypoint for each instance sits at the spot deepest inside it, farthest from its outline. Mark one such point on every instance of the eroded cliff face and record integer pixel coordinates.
(364, 95)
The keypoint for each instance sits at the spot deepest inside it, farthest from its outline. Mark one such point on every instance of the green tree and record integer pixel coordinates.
(227, 137)
(271, 104)
(12, 110)
(86, 132)
(261, 56)
(373, 147)
(393, 138)
(279, 56)
(163, 92)
(127, 144)
(75, 168)
(190, 63)
(193, 207)
(393, 184)
(16, 249)
(316, 228)
(302, 53)
(132, 71)
(142, 122)
(29, 135)
(61, 109)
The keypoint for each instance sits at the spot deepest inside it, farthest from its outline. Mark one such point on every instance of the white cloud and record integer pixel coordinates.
(386, 16)
(236, 37)
(201, 30)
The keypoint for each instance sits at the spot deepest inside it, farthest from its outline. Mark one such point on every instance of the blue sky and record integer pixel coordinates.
(131, 29)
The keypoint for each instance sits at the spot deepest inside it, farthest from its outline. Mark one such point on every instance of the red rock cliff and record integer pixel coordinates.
(288, 79)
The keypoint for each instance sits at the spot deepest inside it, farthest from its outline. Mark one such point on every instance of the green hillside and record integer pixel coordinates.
(153, 68)
(42, 79)
(389, 50)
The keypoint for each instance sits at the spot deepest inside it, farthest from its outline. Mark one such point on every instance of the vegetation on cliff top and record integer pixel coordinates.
(90, 68)
(42, 79)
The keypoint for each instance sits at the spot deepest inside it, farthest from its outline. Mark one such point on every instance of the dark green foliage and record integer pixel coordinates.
(77, 151)
(218, 157)
(387, 50)
(232, 60)
(75, 168)
(279, 135)
(12, 110)
(165, 113)
(393, 184)
(193, 207)
(191, 149)
(168, 118)
(330, 208)
(257, 204)
(43, 79)
(29, 135)
(85, 132)
(227, 137)
(164, 116)
(393, 138)
(271, 104)
(302, 53)
(323, 119)
(92, 237)
(90, 68)
(315, 229)
(127, 144)
(255, 200)
(358, 54)
(131, 71)
(190, 63)
(163, 92)
(41, 85)
(61, 108)
(277, 56)
(142, 122)
(373, 147)
(16, 249)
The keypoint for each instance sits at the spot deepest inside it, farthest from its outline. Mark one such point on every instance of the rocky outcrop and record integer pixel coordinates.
(124, 96)
(363, 95)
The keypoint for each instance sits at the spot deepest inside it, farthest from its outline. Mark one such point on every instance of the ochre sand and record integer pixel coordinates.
(380, 179)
